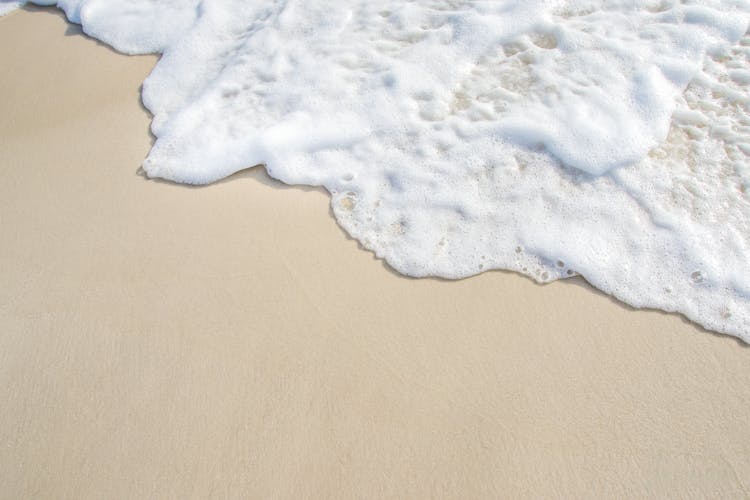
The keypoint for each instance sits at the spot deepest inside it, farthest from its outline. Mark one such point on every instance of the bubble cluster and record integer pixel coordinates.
(609, 139)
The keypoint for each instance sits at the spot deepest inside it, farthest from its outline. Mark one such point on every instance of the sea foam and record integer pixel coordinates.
(7, 6)
(607, 138)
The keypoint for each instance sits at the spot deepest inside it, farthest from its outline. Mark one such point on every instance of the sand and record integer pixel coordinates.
(161, 341)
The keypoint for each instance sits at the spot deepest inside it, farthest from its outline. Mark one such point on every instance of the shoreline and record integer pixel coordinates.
(577, 279)
(231, 340)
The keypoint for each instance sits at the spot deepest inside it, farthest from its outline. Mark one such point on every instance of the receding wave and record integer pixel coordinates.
(603, 138)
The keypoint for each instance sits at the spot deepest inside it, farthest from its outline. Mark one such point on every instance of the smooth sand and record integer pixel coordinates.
(160, 341)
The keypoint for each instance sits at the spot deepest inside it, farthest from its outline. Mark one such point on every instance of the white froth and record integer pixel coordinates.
(605, 138)
(7, 6)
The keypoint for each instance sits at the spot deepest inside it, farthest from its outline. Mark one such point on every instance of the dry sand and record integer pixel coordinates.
(160, 341)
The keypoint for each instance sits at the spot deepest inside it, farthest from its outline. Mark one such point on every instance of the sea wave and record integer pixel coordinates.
(608, 139)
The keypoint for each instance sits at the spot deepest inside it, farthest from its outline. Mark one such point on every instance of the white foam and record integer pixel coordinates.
(8, 6)
(606, 138)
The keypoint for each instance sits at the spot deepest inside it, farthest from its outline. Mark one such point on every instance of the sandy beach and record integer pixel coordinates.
(230, 341)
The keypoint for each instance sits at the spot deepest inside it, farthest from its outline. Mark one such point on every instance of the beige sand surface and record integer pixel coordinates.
(160, 341)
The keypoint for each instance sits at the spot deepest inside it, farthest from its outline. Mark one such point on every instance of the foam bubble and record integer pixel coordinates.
(604, 138)
(8, 6)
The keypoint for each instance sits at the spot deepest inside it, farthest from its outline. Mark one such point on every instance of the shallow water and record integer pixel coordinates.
(605, 138)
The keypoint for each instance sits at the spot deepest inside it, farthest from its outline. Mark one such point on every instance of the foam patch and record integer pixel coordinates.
(603, 138)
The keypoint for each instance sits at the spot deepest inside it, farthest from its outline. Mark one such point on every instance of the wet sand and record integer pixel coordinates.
(162, 341)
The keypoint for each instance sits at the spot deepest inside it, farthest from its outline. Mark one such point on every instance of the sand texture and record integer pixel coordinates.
(161, 341)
